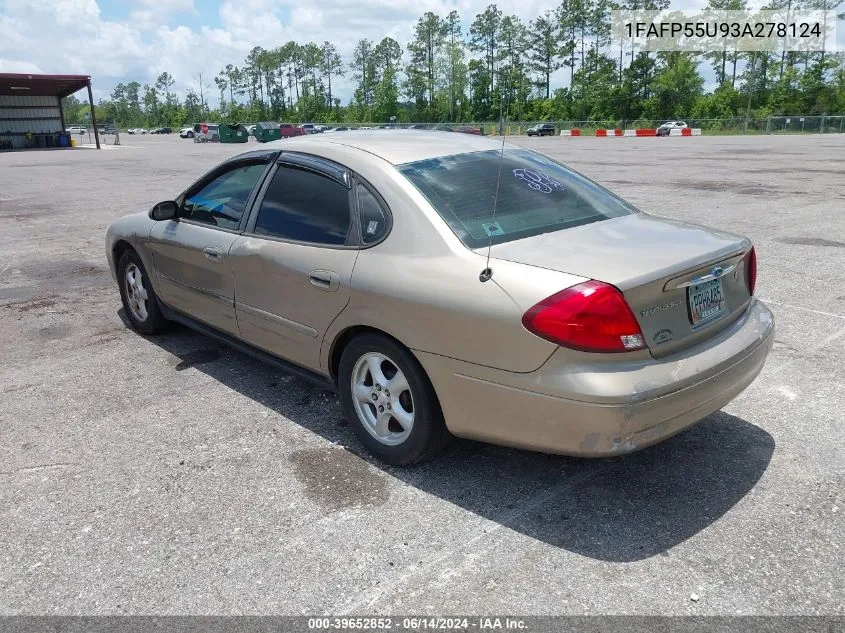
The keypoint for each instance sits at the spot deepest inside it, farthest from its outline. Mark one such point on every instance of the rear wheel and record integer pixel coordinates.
(139, 298)
(389, 399)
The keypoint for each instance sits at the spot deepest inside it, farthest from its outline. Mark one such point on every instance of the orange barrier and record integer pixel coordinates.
(646, 132)
(687, 131)
(576, 132)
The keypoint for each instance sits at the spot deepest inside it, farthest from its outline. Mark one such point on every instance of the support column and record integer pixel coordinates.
(93, 118)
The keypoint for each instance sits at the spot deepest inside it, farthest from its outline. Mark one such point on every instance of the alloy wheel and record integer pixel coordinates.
(136, 294)
(382, 398)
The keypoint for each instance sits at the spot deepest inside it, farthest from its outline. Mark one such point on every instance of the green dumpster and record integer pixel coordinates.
(233, 133)
(267, 131)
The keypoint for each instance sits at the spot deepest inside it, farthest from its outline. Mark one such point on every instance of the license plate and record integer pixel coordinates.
(706, 301)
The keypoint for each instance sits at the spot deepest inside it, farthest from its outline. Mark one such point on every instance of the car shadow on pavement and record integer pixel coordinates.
(621, 509)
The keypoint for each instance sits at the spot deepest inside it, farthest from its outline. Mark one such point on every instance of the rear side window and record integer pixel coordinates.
(222, 201)
(536, 195)
(372, 214)
(304, 206)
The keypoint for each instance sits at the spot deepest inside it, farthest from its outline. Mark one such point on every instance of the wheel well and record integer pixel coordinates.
(120, 247)
(345, 337)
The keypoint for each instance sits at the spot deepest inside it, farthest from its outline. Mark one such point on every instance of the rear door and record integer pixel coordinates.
(293, 266)
(191, 253)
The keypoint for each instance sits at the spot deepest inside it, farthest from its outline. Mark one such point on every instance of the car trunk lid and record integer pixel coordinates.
(684, 283)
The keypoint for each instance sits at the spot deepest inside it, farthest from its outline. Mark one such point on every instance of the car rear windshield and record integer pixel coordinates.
(535, 195)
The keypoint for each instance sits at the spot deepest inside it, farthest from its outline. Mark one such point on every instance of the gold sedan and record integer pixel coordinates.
(446, 285)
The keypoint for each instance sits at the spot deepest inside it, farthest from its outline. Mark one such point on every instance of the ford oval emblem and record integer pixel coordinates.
(717, 271)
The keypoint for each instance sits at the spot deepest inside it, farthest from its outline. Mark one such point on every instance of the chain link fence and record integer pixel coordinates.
(793, 124)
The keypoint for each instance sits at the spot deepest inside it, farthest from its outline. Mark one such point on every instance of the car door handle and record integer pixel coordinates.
(213, 253)
(325, 280)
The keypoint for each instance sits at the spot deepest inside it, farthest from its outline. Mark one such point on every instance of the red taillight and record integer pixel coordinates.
(751, 270)
(592, 316)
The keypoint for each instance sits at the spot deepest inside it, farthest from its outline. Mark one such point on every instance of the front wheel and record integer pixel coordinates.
(390, 401)
(138, 297)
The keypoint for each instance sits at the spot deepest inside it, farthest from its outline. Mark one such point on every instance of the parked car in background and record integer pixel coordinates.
(541, 129)
(308, 128)
(186, 132)
(250, 130)
(337, 129)
(468, 129)
(667, 127)
(137, 130)
(162, 130)
(76, 129)
(106, 128)
(605, 329)
(289, 130)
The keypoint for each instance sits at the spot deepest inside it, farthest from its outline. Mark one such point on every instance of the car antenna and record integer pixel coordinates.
(487, 273)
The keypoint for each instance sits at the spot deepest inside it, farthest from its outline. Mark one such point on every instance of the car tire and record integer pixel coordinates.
(140, 303)
(375, 413)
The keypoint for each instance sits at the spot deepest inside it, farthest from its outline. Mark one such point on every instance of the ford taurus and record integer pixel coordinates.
(448, 285)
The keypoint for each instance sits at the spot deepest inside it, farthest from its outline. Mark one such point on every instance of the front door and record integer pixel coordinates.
(191, 253)
(293, 267)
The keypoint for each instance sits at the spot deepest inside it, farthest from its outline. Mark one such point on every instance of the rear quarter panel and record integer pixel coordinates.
(421, 286)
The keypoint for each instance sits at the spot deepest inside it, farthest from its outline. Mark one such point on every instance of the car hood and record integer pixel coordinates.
(626, 251)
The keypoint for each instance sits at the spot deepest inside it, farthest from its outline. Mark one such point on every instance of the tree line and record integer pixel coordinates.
(501, 67)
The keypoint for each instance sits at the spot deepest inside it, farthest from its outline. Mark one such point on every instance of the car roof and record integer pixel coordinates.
(395, 146)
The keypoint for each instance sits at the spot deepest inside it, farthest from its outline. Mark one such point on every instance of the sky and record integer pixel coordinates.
(135, 40)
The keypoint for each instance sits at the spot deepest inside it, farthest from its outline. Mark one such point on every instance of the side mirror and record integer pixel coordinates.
(164, 210)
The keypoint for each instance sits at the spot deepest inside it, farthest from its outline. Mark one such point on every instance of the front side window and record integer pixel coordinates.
(304, 206)
(535, 195)
(222, 201)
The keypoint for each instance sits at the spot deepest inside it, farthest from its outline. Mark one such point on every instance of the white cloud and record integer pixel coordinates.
(182, 36)
(16, 66)
(71, 36)
(169, 6)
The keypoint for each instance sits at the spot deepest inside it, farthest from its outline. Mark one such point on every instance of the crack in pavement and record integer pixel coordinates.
(26, 469)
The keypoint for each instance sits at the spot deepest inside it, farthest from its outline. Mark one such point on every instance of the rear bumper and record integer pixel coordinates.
(617, 411)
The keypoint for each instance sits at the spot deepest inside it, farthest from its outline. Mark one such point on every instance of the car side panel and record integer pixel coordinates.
(134, 229)
(188, 279)
(421, 284)
(280, 309)
(438, 305)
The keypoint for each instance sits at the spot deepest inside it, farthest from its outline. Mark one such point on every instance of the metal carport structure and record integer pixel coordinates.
(32, 104)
